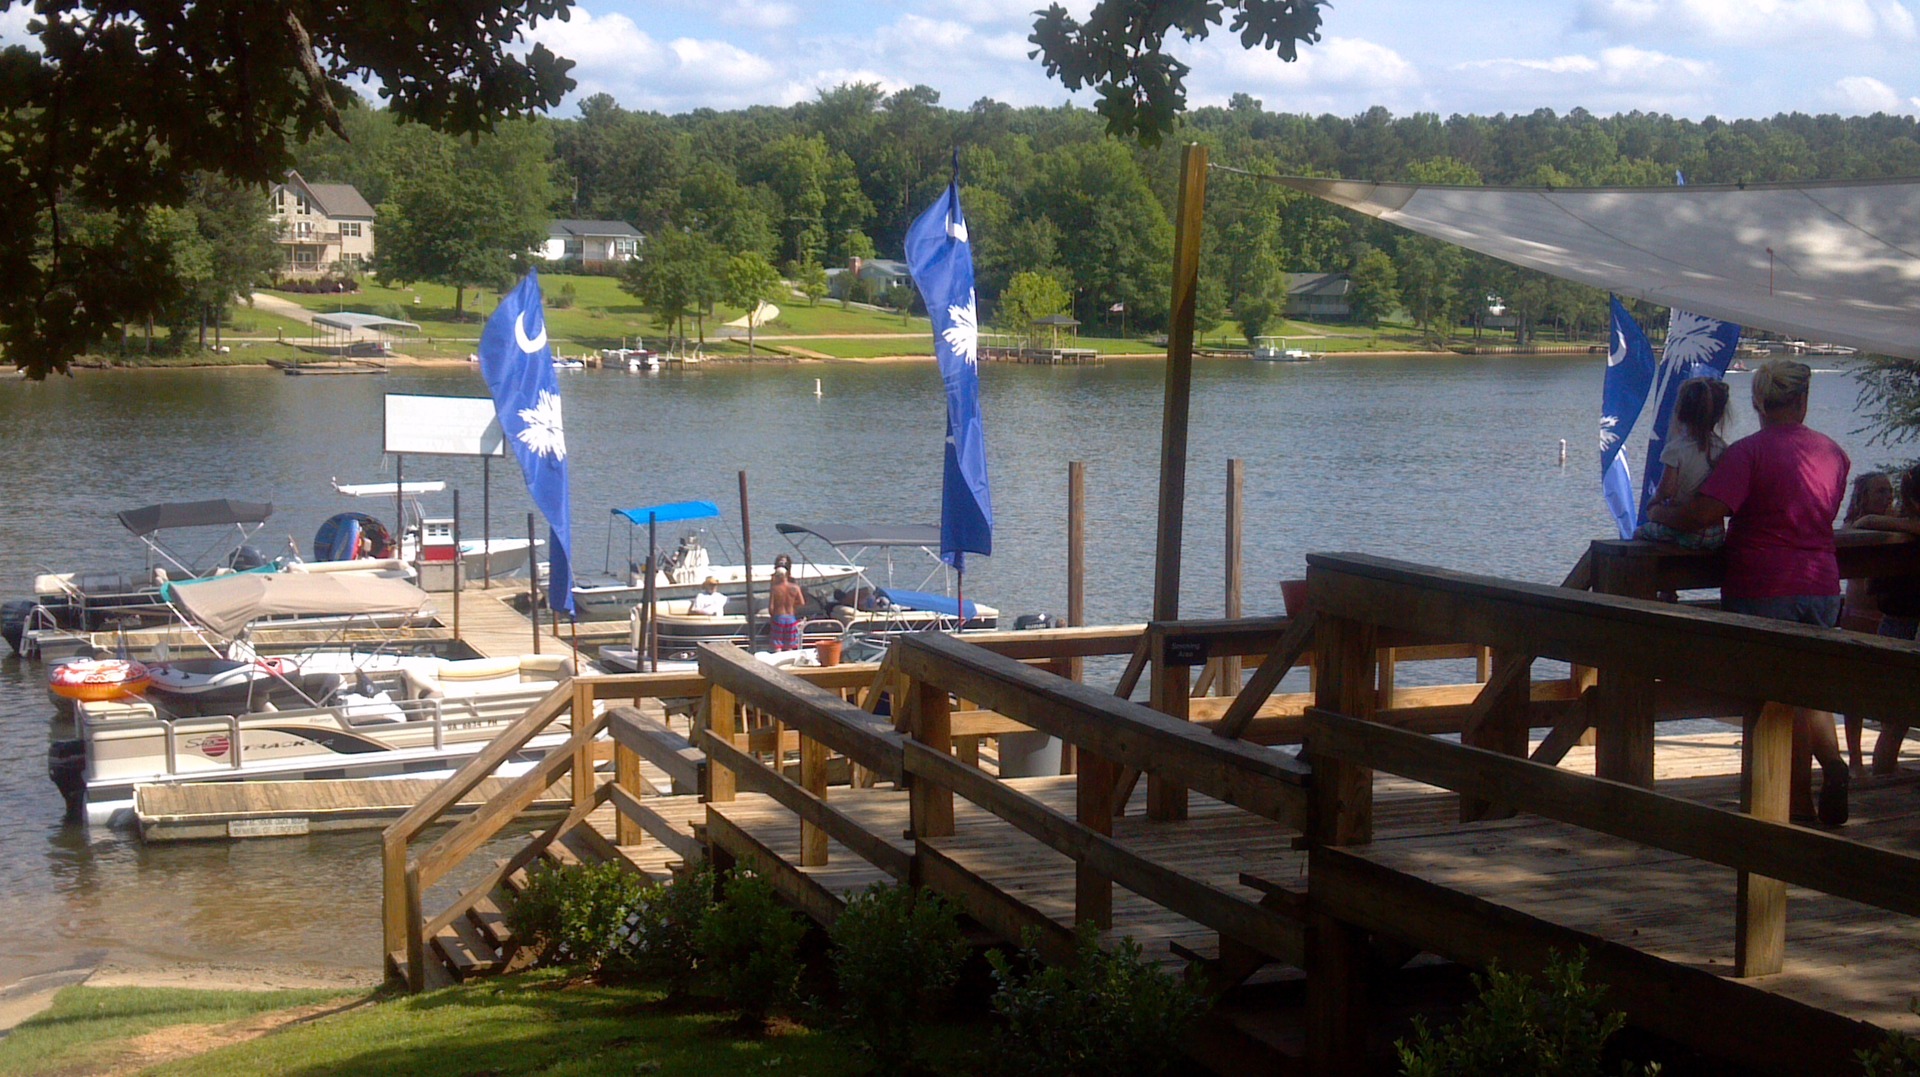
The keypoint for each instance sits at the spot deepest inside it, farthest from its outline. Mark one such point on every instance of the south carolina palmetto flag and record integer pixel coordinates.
(1622, 397)
(518, 366)
(941, 260)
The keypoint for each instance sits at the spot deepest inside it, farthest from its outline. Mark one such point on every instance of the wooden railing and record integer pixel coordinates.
(1636, 646)
(575, 708)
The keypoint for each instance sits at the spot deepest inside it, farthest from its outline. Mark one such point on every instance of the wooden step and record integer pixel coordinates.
(489, 916)
(588, 844)
(466, 953)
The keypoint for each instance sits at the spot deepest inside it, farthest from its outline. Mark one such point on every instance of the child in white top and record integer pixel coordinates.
(1693, 444)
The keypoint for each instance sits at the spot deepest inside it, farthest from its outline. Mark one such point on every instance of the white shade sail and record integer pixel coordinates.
(1833, 262)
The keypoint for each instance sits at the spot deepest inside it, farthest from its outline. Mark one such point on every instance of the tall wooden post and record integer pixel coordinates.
(459, 561)
(931, 805)
(1173, 422)
(746, 554)
(1076, 584)
(1341, 813)
(721, 724)
(1163, 800)
(1228, 683)
(1760, 929)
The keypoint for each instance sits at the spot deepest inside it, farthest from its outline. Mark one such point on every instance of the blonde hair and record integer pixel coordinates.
(1780, 382)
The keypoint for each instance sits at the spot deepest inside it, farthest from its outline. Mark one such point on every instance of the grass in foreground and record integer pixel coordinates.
(538, 1023)
(94, 1027)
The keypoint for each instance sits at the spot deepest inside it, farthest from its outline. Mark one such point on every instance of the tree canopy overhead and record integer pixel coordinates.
(123, 102)
(1120, 50)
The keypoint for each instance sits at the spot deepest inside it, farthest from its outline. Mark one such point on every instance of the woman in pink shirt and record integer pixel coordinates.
(1782, 486)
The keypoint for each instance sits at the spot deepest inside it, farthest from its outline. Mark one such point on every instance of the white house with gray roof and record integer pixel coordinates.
(591, 242)
(320, 225)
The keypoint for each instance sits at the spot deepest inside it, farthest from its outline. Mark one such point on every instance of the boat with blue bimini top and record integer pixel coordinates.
(900, 585)
(682, 573)
(331, 711)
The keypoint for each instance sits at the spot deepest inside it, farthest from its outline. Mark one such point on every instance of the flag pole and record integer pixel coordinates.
(1179, 390)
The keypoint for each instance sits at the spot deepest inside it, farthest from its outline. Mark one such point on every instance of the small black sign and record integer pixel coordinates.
(1186, 650)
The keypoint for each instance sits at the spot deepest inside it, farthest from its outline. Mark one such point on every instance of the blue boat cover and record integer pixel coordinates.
(930, 602)
(671, 512)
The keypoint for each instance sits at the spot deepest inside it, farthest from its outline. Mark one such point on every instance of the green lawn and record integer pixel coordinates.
(534, 1023)
(89, 1027)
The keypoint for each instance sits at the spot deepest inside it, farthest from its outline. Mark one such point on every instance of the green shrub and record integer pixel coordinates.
(750, 948)
(577, 914)
(662, 945)
(1108, 1011)
(1896, 1056)
(896, 954)
(1558, 1029)
(564, 298)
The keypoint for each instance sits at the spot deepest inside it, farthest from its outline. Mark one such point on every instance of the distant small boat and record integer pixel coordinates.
(1275, 350)
(568, 364)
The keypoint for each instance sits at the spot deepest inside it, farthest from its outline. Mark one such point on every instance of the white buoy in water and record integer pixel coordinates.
(1563, 452)
(816, 388)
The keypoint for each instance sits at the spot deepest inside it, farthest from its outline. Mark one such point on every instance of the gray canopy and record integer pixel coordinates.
(1837, 263)
(227, 604)
(867, 534)
(217, 513)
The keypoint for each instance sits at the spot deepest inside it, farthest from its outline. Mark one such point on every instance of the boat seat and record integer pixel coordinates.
(545, 668)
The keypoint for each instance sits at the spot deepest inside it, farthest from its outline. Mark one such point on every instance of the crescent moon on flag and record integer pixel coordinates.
(520, 335)
(1614, 355)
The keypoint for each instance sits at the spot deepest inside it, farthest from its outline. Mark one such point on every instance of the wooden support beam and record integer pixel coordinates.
(814, 711)
(1166, 798)
(650, 739)
(1342, 789)
(1094, 809)
(1623, 723)
(1338, 971)
(1498, 722)
(627, 782)
(1136, 666)
(813, 778)
(1760, 916)
(722, 723)
(1567, 732)
(503, 747)
(807, 893)
(932, 805)
(635, 812)
(583, 734)
(1267, 676)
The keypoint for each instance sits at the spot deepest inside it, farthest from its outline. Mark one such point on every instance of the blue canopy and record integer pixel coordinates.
(930, 602)
(671, 512)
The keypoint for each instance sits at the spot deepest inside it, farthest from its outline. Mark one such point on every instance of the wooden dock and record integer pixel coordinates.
(195, 811)
(1330, 865)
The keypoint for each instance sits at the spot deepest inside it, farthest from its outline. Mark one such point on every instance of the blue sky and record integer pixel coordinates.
(1730, 58)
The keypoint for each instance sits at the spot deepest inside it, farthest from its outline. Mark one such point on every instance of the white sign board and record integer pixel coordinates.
(443, 426)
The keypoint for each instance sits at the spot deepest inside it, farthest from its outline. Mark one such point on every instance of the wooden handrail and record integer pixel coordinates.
(815, 712)
(757, 777)
(481, 827)
(1267, 783)
(484, 762)
(1777, 660)
(1800, 856)
(659, 745)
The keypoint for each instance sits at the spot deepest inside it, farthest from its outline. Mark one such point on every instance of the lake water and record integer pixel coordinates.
(1451, 462)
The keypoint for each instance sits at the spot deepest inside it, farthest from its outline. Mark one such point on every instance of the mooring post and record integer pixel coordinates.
(1076, 583)
(459, 561)
(1166, 800)
(533, 586)
(1228, 681)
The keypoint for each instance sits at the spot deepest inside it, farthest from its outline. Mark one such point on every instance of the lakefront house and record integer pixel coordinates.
(320, 226)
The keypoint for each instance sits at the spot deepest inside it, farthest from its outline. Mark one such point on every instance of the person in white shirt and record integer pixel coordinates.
(710, 602)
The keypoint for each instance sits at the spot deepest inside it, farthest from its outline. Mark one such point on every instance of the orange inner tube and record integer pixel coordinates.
(96, 679)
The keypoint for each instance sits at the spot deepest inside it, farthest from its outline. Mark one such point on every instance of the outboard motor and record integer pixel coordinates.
(247, 558)
(67, 768)
(1027, 621)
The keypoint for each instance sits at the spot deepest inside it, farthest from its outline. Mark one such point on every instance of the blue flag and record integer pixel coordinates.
(941, 261)
(1629, 377)
(1697, 347)
(518, 366)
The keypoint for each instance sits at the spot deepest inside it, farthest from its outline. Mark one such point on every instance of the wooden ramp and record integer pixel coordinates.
(265, 809)
(491, 625)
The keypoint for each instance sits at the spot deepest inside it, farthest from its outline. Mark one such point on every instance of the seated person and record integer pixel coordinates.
(709, 602)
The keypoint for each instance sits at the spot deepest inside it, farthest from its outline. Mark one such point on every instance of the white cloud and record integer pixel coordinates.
(1614, 79)
(1329, 76)
(1004, 12)
(1861, 94)
(1787, 24)
(613, 55)
(760, 15)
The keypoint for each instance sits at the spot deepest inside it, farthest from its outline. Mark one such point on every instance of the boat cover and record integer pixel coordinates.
(1834, 262)
(671, 512)
(927, 535)
(350, 320)
(226, 604)
(217, 513)
(929, 602)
